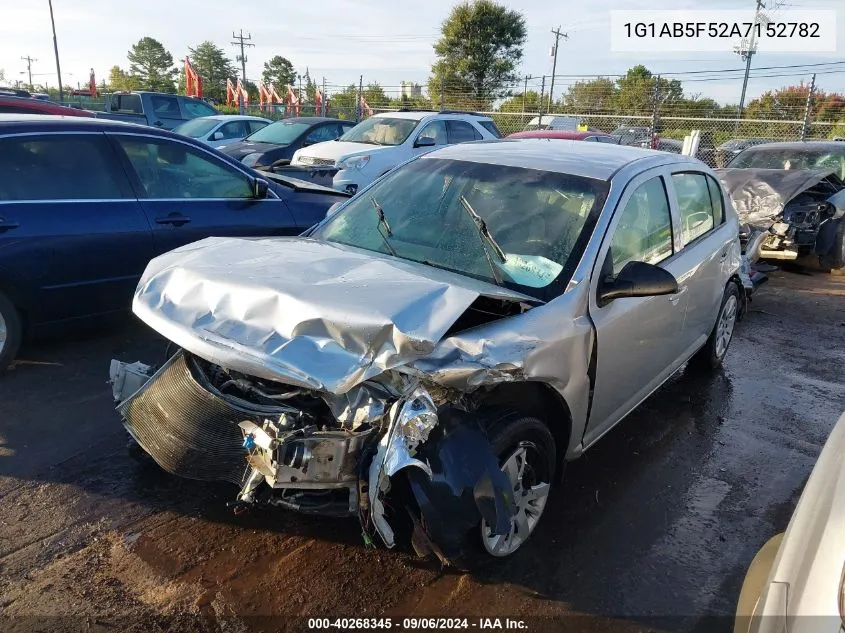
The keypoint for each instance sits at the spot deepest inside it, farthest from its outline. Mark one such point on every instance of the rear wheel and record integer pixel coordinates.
(10, 332)
(713, 353)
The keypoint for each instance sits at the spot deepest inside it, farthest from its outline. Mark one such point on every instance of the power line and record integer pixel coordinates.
(29, 61)
(243, 42)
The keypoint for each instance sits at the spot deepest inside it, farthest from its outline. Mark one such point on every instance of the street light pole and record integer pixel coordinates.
(56, 49)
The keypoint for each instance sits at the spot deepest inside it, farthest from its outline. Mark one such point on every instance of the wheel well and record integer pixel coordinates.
(539, 400)
(17, 300)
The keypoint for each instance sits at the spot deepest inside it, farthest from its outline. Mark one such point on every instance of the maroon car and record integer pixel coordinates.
(24, 105)
(570, 135)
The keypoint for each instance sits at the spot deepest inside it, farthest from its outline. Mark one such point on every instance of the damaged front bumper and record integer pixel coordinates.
(336, 455)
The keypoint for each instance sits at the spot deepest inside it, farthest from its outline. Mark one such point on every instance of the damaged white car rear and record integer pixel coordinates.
(429, 355)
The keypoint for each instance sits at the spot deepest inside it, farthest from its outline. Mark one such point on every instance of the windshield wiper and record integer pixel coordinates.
(486, 239)
(382, 222)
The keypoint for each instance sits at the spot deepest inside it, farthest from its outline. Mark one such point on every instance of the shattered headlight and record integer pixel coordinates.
(353, 162)
(417, 418)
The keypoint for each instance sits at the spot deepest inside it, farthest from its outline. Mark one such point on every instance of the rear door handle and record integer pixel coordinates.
(176, 219)
(7, 226)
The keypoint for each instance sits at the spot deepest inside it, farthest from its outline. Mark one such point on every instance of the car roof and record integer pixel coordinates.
(232, 117)
(590, 160)
(41, 105)
(419, 115)
(562, 134)
(55, 121)
(311, 120)
(813, 144)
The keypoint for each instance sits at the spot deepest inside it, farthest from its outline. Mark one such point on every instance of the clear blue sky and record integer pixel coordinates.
(386, 41)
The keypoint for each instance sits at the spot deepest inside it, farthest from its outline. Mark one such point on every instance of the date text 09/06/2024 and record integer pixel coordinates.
(489, 624)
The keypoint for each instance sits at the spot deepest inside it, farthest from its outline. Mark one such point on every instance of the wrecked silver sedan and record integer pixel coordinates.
(429, 355)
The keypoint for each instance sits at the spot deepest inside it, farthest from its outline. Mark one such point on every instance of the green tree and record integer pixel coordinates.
(790, 103)
(636, 91)
(593, 96)
(531, 103)
(478, 52)
(214, 67)
(279, 73)
(152, 65)
(119, 80)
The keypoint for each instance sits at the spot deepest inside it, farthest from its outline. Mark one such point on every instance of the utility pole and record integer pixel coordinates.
(556, 32)
(29, 61)
(323, 100)
(243, 42)
(56, 49)
(540, 107)
(524, 91)
(359, 111)
(655, 115)
(747, 49)
(805, 128)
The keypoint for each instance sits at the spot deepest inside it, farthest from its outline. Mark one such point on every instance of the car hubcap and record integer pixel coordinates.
(530, 496)
(725, 327)
(3, 333)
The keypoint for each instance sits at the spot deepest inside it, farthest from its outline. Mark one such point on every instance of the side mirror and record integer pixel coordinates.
(637, 279)
(260, 188)
(217, 136)
(425, 141)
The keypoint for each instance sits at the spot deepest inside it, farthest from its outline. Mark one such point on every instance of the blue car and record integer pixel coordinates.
(86, 203)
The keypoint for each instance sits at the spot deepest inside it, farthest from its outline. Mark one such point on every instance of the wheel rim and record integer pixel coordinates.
(530, 496)
(725, 326)
(3, 333)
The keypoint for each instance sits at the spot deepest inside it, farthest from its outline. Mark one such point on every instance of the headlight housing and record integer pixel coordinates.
(353, 162)
(251, 159)
(417, 418)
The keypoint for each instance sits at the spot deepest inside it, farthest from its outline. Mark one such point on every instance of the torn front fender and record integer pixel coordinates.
(465, 486)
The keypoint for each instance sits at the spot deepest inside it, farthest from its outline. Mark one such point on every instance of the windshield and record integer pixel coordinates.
(381, 131)
(196, 128)
(279, 133)
(792, 158)
(540, 220)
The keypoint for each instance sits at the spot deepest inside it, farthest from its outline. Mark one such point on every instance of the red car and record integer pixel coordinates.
(590, 135)
(23, 105)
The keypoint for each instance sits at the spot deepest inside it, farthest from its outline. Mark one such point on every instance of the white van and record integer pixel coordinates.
(552, 122)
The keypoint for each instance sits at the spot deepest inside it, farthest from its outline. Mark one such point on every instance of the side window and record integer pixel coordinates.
(322, 133)
(461, 132)
(127, 104)
(644, 232)
(716, 200)
(345, 127)
(254, 126)
(171, 170)
(194, 109)
(39, 168)
(590, 139)
(490, 126)
(694, 205)
(435, 130)
(234, 129)
(605, 139)
(165, 106)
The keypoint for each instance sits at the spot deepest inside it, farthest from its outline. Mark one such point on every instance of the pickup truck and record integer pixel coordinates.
(154, 108)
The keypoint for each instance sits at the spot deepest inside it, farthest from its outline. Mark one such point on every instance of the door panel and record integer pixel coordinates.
(75, 239)
(189, 194)
(638, 339)
(165, 111)
(705, 243)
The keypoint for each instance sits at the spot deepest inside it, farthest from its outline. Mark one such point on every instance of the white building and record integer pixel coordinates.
(410, 90)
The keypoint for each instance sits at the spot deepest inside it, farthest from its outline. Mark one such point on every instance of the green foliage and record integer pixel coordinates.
(279, 73)
(516, 103)
(594, 96)
(636, 91)
(790, 103)
(214, 67)
(478, 52)
(152, 65)
(120, 80)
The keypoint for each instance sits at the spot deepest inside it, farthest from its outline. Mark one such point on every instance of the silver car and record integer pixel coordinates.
(220, 129)
(427, 357)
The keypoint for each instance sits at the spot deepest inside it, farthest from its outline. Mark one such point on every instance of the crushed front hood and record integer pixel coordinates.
(759, 195)
(308, 313)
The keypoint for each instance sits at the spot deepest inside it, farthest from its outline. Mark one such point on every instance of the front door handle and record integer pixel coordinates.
(7, 226)
(176, 219)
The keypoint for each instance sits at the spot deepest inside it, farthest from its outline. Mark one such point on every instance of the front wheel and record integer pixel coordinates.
(10, 332)
(712, 355)
(526, 452)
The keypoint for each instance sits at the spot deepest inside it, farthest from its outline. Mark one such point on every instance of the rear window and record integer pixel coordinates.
(490, 126)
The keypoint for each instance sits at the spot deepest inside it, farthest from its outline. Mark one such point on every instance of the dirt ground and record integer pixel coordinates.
(651, 530)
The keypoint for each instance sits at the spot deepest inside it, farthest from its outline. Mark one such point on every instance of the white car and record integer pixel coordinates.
(375, 146)
(796, 582)
(220, 129)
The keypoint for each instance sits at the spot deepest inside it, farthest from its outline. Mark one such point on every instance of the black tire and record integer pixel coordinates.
(835, 258)
(712, 355)
(507, 432)
(10, 323)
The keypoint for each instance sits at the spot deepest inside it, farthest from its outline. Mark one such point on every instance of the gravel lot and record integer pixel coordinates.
(652, 529)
